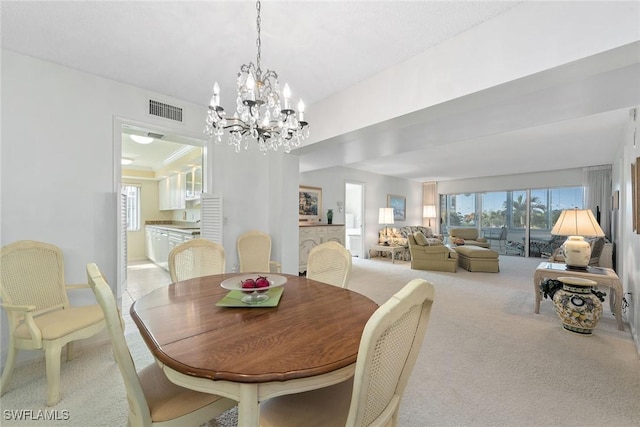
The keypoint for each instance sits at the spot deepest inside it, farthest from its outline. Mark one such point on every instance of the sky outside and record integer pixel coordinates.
(561, 198)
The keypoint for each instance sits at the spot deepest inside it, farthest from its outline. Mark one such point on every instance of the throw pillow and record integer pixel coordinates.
(421, 239)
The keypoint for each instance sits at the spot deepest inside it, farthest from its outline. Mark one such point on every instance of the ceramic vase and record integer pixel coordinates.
(576, 252)
(330, 216)
(578, 308)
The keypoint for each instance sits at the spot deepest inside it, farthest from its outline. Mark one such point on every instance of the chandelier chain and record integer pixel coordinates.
(258, 41)
(263, 113)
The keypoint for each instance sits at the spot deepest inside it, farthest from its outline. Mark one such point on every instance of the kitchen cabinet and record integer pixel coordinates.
(175, 190)
(162, 239)
(172, 192)
(193, 183)
(313, 235)
(162, 249)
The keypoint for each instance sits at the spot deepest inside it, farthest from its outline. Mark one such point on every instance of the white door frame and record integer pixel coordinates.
(118, 123)
(362, 186)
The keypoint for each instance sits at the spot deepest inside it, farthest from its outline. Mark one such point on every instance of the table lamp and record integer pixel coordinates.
(429, 211)
(576, 224)
(385, 216)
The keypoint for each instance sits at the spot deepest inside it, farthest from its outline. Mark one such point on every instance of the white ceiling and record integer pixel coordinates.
(320, 48)
(157, 155)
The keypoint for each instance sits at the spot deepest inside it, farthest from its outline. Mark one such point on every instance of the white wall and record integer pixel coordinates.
(560, 178)
(377, 187)
(61, 168)
(539, 37)
(260, 193)
(627, 242)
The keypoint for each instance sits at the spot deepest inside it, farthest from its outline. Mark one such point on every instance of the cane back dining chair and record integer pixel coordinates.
(153, 399)
(40, 316)
(329, 262)
(254, 253)
(196, 258)
(388, 350)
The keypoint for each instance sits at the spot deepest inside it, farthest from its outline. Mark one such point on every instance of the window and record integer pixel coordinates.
(133, 206)
(494, 209)
(529, 215)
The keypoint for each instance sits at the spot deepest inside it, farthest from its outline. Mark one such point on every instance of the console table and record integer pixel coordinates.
(391, 249)
(601, 275)
(312, 235)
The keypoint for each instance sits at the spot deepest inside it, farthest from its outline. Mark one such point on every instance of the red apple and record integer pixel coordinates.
(262, 282)
(248, 284)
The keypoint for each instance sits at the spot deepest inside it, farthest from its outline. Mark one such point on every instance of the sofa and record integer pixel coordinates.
(399, 237)
(469, 235)
(433, 255)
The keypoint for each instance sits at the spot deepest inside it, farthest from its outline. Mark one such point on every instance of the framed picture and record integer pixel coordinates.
(399, 205)
(310, 203)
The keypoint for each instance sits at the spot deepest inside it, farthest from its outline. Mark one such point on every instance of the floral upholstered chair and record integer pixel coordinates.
(399, 237)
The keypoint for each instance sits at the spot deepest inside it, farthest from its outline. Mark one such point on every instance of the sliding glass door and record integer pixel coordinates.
(516, 222)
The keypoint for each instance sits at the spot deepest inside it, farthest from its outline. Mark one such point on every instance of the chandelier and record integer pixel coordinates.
(262, 112)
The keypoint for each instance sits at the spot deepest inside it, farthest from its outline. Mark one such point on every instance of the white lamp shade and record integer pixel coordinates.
(577, 222)
(385, 216)
(429, 211)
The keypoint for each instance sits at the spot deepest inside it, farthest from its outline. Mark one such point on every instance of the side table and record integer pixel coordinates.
(391, 249)
(602, 276)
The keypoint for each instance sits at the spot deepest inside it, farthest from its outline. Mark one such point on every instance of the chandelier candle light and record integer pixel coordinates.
(262, 113)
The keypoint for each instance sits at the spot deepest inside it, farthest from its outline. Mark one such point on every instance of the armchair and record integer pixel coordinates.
(34, 294)
(469, 235)
(433, 256)
(254, 253)
(196, 258)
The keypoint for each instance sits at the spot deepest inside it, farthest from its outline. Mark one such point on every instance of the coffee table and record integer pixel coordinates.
(601, 275)
(391, 249)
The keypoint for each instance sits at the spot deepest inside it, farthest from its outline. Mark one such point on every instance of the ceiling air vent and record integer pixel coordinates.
(166, 111)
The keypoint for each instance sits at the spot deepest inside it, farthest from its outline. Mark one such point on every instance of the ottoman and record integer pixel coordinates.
(475, 258)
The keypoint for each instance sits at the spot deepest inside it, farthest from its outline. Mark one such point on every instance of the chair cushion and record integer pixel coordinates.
(421, 239)
(471, 251)
(59, 323)
(168, 401)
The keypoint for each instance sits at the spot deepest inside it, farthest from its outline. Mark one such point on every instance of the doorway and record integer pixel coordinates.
(155, 157)
(353, 218)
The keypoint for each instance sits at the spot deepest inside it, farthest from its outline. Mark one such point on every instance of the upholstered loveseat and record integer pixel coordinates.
(399, 237)
(431, 254)
(469, 235)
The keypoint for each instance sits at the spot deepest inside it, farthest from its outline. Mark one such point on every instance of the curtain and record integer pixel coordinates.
(597, 185)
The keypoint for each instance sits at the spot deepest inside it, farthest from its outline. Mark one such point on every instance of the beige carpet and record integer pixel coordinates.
(487, 360)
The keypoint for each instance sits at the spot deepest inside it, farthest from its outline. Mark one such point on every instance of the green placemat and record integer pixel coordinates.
(233, 299)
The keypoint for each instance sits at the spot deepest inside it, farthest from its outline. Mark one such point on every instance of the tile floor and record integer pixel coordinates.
(142, 278)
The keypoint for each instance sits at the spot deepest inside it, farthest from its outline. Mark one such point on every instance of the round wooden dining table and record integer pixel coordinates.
(309, 340)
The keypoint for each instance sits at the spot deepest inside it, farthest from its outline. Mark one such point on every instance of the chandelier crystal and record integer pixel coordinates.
(263, 113)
